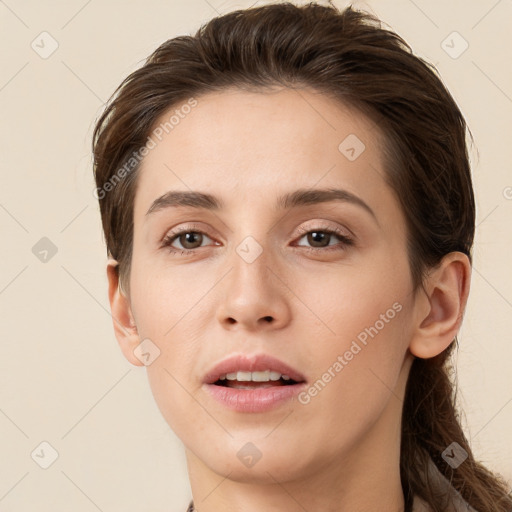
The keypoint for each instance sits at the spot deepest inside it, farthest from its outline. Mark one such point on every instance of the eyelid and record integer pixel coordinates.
(322, 225)
(184, 228)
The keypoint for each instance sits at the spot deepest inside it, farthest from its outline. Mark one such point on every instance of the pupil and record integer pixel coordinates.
(317, 234)
(189, 236)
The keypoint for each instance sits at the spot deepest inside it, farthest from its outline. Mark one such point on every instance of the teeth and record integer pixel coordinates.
(261, 376)
(264, 376)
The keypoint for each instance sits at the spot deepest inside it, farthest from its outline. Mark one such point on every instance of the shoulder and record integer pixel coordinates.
(444, 487)
(457, 505)
(419, 505)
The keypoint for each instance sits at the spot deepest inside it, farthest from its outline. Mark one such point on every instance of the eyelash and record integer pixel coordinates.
(344, 239)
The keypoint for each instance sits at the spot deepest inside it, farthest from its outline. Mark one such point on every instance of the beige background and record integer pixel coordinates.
(63, 379)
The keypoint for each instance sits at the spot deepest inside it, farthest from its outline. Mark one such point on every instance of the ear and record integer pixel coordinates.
(440, 307)
(123, 320)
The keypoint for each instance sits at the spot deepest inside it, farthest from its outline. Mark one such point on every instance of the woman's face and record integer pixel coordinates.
(263, 277)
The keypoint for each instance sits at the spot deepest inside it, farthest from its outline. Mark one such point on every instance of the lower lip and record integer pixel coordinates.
(254, 400)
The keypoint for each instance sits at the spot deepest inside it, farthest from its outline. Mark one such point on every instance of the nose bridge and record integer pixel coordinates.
(250, 260)
(251, 242)
(252, 294)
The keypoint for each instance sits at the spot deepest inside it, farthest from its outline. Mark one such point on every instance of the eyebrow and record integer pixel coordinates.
(298, 198)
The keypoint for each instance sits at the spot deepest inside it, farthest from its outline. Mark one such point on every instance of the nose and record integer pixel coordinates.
(254, 296)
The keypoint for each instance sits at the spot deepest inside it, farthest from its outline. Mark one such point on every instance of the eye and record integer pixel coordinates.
(320, 237)
(189, 238)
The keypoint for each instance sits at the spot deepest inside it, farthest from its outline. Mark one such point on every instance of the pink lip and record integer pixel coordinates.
(258, 399)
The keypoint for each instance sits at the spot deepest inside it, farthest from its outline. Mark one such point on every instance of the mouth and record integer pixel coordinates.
(255, 380)
(253, 383)
(260, 370)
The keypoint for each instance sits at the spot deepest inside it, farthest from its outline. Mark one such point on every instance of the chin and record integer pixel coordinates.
(260, 462)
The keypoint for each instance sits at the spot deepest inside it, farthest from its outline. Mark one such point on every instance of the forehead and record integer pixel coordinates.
(235, 144)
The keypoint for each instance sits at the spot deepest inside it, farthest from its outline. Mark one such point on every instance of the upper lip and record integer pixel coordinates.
(251, 363)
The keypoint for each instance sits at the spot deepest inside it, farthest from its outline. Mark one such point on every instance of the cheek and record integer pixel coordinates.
(342, 303)
(166, 299)
(169, 307)
(361, 341)
(354, 381)
(367, 351)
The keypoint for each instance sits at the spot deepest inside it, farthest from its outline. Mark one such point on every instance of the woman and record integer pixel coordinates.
(289, 215)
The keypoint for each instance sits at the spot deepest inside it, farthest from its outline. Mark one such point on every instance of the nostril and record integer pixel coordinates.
(268, 319)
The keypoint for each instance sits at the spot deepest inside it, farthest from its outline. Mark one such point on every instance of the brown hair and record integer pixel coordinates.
(350, 57)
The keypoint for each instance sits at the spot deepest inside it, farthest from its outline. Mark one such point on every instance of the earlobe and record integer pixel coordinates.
(125, 328)
(440, 308)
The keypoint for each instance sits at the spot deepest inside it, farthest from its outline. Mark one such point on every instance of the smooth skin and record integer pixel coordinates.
(340, 451)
